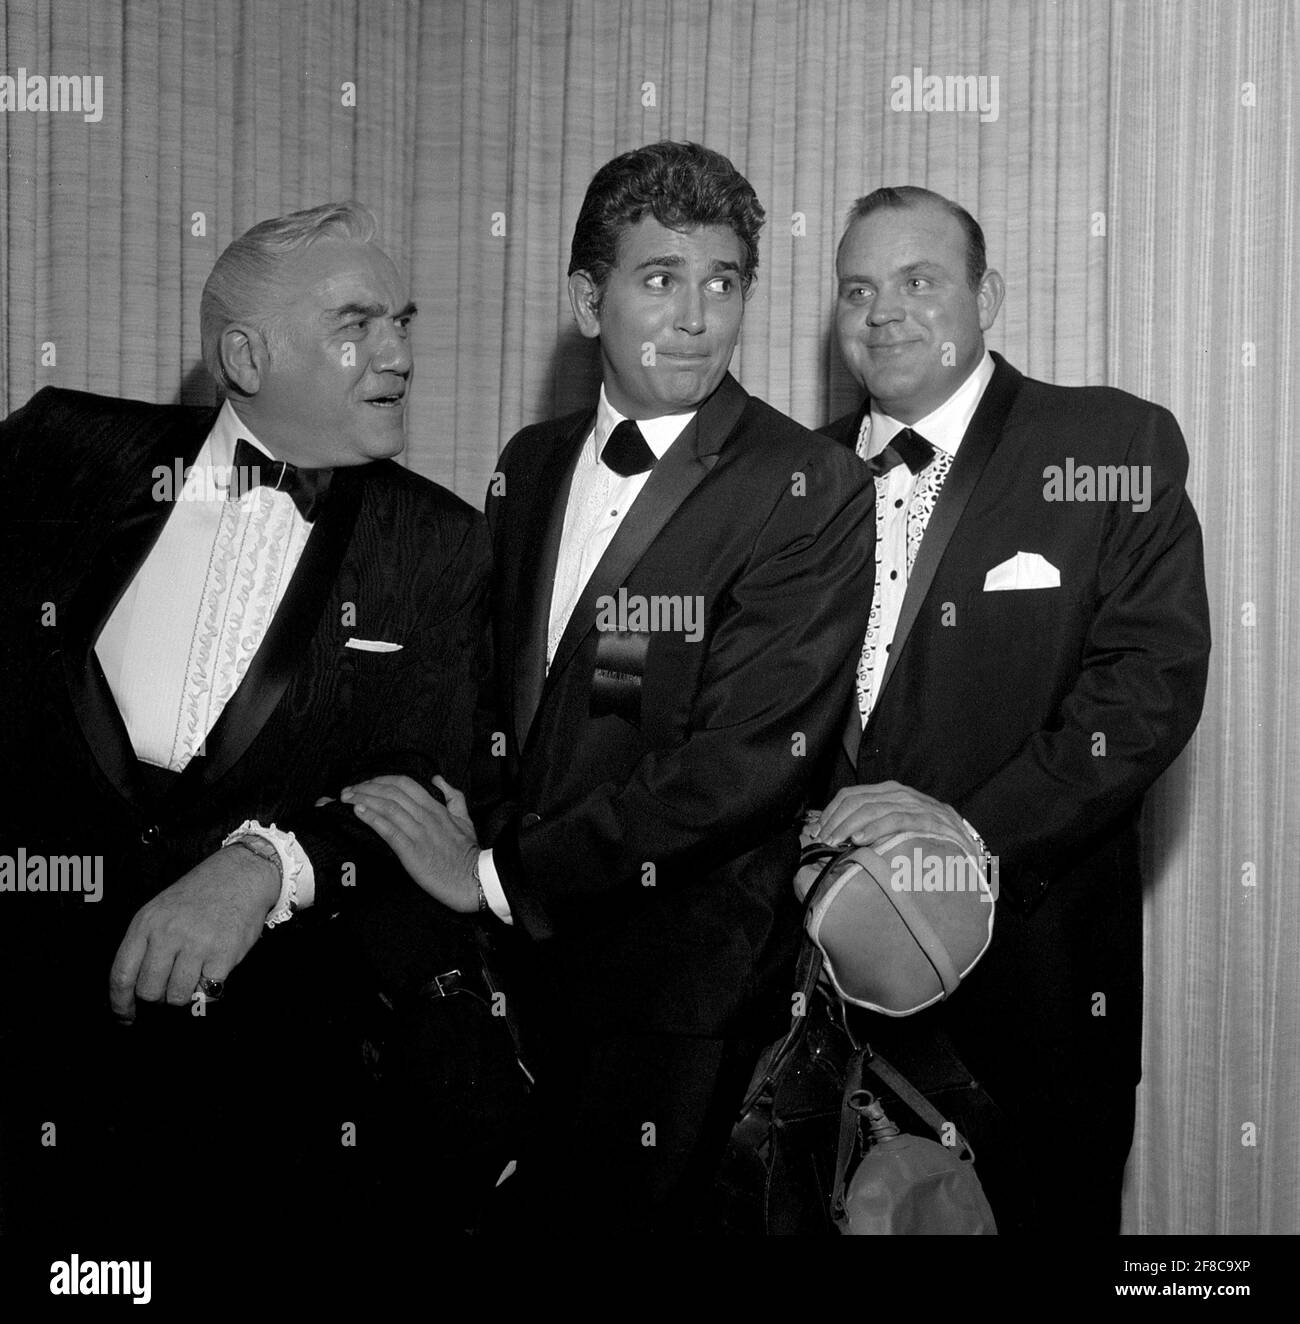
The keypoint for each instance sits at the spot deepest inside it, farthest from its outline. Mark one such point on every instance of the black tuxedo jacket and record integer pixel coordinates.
(1044, 714)
(640, 796)
(391, 557)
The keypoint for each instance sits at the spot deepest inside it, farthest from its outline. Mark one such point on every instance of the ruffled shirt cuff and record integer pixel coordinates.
(297, 877)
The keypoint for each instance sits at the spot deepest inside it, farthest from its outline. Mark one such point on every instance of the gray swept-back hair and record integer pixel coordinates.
(245, 283)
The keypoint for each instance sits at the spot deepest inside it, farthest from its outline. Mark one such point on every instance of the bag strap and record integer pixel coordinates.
(926, 938)
(890, 1076)
(864, 1060)
(848, 1129)
(808, 972)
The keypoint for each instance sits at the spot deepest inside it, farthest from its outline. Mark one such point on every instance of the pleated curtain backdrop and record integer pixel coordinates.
(524, 102)
(1204, 318)
(213, 117)
(1135, 170)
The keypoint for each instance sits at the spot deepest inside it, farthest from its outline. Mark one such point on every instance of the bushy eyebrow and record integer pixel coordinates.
(677, 260)
(368, 310)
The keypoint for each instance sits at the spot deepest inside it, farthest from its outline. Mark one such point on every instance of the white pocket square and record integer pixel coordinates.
(373, 645)
(1023, 570)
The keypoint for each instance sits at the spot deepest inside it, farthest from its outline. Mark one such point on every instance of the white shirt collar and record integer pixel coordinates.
(659, 433)
(209, 477)
(945, 426)
(227, 430)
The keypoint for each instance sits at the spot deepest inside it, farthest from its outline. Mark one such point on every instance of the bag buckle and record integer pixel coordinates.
(444, 985)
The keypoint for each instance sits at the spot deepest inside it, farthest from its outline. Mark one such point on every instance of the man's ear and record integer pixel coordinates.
(243, 354)
(989, 297)
(584, 299)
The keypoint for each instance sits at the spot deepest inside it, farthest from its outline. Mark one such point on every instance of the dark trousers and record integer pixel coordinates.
(1071, 1150)
(628, 1135)
(258, 1109)
(1051, 1140)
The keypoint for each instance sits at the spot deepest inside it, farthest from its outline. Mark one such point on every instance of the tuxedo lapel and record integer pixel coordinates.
(539, 558)
(982, 436)
(855, 427)
(110, 568)
(671, 481)
(287, 639)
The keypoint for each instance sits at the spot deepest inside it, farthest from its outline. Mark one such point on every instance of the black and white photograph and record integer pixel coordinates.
(639, 621)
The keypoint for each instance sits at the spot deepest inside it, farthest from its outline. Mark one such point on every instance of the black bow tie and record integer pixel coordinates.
(626, 451)
(909, 448)
(253, 468)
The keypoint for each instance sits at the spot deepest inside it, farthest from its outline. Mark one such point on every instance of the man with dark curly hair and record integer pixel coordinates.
(672, 651)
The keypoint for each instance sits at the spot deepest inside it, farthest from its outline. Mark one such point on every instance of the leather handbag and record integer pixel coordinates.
(779, 1167)
(786, 1169)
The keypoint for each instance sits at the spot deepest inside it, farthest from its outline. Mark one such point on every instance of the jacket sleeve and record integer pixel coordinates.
(426, 729)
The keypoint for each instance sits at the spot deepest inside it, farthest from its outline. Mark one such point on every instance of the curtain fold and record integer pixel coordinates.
(1138, 188)
(1203, 255)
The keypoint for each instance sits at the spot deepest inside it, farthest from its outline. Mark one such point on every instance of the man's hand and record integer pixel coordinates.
(200, 927)
(868, 814)
(436, 845)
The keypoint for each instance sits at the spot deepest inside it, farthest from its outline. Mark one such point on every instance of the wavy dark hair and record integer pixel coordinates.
(908, 195)
(681, 185)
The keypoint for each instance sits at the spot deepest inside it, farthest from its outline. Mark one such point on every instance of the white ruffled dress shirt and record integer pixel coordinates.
(180, 640)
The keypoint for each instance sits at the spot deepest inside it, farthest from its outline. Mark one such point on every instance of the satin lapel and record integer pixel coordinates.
(671, 481)
(852, 439)
(539, 557)
(287, 639)
(983, 434)
(110, 572)
(852, 737)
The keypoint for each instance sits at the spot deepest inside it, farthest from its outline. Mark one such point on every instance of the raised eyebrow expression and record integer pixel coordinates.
(716, 268)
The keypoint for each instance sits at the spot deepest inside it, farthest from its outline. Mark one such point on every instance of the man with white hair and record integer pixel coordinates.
(214, 620)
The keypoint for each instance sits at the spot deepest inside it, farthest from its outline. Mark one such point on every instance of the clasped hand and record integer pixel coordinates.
(867, 815)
